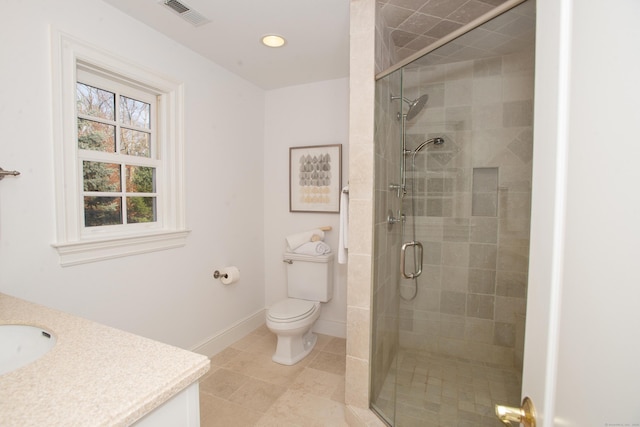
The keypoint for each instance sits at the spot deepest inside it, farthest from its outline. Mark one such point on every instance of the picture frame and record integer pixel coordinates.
(315, 178)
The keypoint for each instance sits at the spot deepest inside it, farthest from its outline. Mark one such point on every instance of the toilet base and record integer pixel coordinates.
(292, 349)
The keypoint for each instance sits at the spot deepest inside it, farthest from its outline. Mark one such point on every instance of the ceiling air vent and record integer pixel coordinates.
(186, 13)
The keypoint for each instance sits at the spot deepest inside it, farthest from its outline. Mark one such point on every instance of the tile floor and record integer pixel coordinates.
(244, 387)
(439, 391)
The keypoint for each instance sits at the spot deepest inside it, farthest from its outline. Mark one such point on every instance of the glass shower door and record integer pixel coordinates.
(447, 355)
(387, 243)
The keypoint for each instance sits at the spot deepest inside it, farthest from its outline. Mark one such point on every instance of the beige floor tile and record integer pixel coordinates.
(245, 342)
(329, 362)
(223, 382)
(275, 419)
(216, 412)
(322, 341)
(336, 346)
(338, 394)
(260, 366)
(318, 383)
(314, 410)
(263, 344)
(275, 373)
(309, 359)
(246, 388)
(262, 330)
(257, 395)
(226, 355)
(244, 362)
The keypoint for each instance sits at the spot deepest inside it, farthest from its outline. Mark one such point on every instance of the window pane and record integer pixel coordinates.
(135, 113)
(141, 209)
(98, 176)
(135, 143)
(141, 179)
(95, 102)
(102, 211)
(96, 136)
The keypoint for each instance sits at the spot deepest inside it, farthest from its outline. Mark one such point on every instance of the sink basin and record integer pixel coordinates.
(21, 345)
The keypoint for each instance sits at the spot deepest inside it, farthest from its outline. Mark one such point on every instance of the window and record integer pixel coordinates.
(119, 153)
(117, 147)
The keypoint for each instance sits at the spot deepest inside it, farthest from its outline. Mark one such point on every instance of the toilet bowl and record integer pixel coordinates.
(291, 320)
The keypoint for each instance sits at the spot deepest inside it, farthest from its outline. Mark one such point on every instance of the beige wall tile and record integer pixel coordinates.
(360, 226)
(357, 382)
(358, 332)
(359, 294)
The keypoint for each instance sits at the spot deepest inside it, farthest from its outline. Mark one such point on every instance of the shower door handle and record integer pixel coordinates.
(403, 252)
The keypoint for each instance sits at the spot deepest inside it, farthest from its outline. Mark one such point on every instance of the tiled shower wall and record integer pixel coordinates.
(472, 208)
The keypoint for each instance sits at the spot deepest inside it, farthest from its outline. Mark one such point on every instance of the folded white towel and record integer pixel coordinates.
(344, 226)
(298, 239)
(313, 248)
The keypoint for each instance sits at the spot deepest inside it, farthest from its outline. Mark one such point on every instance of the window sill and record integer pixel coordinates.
(97, 250)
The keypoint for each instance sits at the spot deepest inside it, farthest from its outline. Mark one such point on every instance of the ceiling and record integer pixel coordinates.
(317, 32)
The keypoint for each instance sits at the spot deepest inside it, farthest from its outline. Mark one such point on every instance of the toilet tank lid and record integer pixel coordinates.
(309, 258)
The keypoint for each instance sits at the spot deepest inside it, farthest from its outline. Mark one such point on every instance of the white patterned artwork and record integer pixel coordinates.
(315, 178)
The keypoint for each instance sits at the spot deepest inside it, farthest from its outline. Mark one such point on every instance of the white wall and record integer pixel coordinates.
(311, 114)
(168, 295)
(582, 351)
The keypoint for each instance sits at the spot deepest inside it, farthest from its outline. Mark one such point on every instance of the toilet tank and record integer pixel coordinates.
(309, 277)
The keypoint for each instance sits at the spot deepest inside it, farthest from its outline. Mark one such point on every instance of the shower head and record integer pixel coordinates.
(415, 106)
(435, 141)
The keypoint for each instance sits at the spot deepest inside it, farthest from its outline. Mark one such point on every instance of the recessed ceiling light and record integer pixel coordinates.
(273, 40)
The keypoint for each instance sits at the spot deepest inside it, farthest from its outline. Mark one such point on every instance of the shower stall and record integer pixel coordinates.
(453, 151)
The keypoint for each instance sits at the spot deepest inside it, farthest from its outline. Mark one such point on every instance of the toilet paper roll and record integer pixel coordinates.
(229, 275)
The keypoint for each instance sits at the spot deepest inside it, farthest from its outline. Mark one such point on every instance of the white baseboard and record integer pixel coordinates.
(224, 339)
(330, 327)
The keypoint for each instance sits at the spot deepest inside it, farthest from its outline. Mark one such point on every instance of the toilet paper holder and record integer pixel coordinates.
(227, 275)
(217, 275)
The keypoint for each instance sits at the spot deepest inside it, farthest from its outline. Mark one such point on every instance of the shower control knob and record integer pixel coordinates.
(398, 188)
(394, 220)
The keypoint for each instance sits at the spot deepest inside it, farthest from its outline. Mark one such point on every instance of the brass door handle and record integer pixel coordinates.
(525, 415)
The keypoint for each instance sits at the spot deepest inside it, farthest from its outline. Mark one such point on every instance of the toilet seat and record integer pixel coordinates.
(291, 310)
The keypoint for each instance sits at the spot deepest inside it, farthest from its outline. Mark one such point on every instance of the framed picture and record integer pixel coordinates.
(315, 178)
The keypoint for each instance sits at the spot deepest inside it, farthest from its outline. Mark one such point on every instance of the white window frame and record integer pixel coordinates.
(75, 243)
(96, 78)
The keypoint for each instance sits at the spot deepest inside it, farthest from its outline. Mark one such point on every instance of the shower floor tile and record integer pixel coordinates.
(439, 391)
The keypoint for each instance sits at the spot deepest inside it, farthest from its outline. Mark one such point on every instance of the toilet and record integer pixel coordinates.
(309, 283)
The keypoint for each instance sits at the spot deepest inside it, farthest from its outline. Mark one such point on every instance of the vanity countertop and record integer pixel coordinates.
(95, 375)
